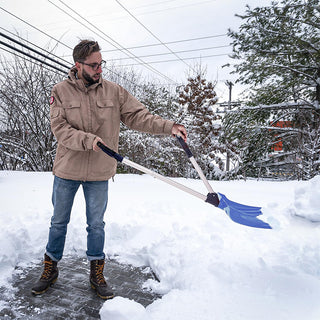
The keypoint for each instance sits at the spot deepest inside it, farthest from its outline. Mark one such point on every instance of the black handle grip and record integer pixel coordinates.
(110, 152)
(185, 147)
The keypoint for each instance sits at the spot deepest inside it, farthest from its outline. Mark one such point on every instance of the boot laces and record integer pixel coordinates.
(47, 270)
(99, 274)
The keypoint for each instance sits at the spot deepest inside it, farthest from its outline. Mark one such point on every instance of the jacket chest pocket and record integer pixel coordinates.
(73, 113)
(106, 111)
(108, 116)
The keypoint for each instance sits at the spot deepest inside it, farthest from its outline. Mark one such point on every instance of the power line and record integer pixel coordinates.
(110, 19)
(154, 4)
(13, 48)
(44, 64)
(33, 50)
(121, 49)
(182, 51)
(170, 42)
(51, 66)
(167, 9)
(114, 45)
(161, 61)
(173, 8)
(167, 78)
(58, 41)
(170, 1)
(154, 11)
(60, 70)
(23, 58)
(33, 44)
(153, 34)
(159, 44)
(119, 75)
(37, 59)
(30, 56)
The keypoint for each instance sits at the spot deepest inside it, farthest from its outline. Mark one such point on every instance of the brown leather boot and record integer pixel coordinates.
(48, 277)
(98, 281)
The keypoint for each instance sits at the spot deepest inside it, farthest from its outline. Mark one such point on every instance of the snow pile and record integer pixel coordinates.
(123, 309)
(209, 267)
(307, 200)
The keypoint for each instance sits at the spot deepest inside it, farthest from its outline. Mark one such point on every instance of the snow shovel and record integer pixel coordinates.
(239, 213)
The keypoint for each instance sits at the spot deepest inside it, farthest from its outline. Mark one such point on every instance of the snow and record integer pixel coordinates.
(123, 309)
(209, 267)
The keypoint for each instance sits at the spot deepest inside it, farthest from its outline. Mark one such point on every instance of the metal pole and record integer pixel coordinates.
(164, 179)
(229, 84)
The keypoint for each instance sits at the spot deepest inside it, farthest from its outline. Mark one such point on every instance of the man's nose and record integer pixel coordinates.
(99, 70)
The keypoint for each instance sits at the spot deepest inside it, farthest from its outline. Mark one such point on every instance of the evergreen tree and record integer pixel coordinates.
(279, 49)
(279, 53)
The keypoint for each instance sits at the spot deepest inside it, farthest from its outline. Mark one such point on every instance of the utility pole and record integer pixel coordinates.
(229, 84)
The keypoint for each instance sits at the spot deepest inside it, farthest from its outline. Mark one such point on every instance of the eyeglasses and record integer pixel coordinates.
(95, 66)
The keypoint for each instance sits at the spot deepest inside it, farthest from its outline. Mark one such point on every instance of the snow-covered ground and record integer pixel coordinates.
(209, 267)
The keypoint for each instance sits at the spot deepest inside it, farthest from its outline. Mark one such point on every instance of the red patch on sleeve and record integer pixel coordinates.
(51, 100)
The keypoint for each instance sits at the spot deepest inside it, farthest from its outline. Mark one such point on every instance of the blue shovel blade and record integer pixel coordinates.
(246, 215)
(239, 206)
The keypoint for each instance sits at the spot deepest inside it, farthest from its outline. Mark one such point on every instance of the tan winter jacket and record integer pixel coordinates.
(78, 114)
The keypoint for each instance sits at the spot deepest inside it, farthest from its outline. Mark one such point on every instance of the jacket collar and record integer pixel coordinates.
(73, 78)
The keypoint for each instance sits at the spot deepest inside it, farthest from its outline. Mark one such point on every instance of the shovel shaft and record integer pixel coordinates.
(141, 168)
(201, 174)
(195, 164)
(164, 179)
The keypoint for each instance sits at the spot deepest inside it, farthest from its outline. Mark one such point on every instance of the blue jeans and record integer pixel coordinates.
(96, 197)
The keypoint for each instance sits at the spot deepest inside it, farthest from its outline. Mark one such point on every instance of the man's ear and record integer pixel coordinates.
(78, 65)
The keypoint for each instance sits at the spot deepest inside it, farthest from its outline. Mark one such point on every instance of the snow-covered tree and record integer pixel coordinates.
(154, 152)
(26, 140)
(197, 113)
(278, 48)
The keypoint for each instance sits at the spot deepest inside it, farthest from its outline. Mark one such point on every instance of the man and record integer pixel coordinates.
(85, 109)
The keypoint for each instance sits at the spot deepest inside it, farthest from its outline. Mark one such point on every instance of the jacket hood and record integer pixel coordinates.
(74, 80)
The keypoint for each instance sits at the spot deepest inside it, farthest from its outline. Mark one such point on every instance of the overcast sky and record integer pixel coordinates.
(132, 23)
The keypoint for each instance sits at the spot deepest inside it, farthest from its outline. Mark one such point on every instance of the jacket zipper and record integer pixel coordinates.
(89, 129)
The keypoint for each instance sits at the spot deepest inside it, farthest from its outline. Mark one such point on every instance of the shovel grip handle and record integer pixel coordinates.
(185, 147)
(110, 152)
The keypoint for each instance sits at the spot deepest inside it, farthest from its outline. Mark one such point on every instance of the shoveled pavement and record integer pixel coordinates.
(71, 297)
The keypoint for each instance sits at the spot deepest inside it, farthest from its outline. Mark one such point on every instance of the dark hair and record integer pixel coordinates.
(83, 49)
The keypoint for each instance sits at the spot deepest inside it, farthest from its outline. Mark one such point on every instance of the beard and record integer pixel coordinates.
(90, 80)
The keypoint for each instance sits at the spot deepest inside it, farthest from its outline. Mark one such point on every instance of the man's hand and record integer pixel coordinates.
(95, 142)
(180, 130)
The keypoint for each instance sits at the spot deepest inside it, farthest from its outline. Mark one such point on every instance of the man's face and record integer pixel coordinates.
(88, 74)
